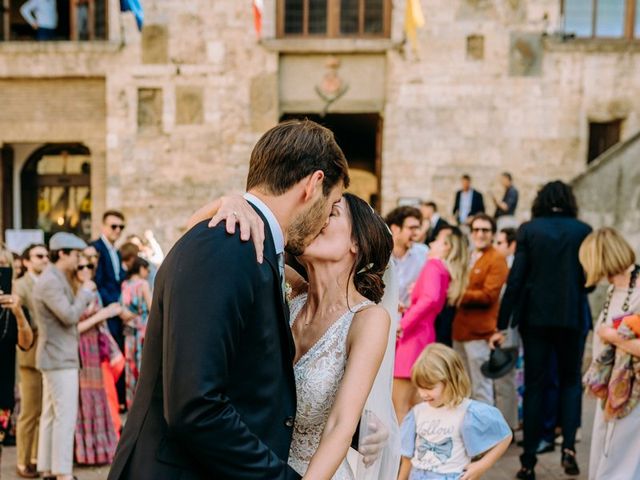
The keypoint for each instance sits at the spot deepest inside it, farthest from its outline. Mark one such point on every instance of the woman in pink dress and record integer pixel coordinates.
(442, 280)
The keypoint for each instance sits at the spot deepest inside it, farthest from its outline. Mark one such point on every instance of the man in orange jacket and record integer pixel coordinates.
(476, 319)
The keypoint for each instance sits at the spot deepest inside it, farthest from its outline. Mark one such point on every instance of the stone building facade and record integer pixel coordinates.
(166, 118)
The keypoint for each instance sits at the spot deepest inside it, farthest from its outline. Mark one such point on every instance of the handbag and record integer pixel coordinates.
(614, 376)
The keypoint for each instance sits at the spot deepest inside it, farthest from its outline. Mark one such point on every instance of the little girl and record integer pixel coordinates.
(443, 436)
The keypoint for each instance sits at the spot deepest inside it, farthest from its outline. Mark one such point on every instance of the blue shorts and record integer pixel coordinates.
(417, 474)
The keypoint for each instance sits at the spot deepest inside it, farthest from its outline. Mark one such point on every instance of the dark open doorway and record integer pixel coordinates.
(6, 195)
(360, 137)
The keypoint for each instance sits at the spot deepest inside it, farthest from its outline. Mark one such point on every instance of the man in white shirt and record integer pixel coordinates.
(109, 277)
(468, 203)
(408, 256)
(42, 15)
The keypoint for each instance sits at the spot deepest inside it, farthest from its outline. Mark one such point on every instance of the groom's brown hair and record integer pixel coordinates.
(293, 150)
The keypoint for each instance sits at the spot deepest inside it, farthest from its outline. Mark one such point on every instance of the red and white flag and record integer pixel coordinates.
(258, 8)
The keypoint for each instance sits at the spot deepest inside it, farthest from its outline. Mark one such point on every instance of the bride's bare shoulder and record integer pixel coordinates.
(373, 314)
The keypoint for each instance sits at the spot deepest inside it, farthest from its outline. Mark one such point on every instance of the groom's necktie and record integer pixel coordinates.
(281, 271)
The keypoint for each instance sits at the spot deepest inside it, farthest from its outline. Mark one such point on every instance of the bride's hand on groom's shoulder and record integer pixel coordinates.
(234, 209)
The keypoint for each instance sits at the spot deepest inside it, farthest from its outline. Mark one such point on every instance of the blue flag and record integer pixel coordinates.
(134, 6)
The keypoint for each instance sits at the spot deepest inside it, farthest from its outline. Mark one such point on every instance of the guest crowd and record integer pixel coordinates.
(511, 301)
(514, 301)
(77, 314)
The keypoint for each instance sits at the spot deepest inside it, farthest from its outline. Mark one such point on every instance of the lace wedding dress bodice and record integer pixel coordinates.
(318, 374)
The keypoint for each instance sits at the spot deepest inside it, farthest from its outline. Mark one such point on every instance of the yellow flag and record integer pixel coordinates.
(413, 20)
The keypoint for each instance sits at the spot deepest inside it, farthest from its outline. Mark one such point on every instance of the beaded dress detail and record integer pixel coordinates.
(318, 374)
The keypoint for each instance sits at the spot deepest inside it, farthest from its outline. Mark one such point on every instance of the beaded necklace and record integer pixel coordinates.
(627, 298)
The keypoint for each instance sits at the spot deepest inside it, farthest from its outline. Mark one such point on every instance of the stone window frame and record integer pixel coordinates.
(333, 21)
(630, 26)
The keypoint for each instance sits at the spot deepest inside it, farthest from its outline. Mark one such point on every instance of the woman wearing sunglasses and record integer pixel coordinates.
(96, 433)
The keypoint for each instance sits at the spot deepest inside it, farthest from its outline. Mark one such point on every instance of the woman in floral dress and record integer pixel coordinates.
(136, 297)
(96, 436)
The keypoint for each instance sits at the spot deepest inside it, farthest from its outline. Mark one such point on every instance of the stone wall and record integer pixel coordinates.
(186, 114)
(608, 193)
(514, 101)
(185, 100)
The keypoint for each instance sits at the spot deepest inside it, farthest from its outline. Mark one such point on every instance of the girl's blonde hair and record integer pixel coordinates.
(439, 363)
(457, 263)
(605, 253)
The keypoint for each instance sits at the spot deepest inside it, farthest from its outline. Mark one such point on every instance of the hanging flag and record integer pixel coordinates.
(413, 20)
(258, 8)
(134, 6)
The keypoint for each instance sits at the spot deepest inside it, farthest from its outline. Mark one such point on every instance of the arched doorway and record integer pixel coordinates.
(56, 190)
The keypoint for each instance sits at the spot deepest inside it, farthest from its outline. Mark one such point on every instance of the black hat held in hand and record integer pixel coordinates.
(501, 361)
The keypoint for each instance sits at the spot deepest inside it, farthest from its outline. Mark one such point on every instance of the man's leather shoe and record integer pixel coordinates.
(569, 462)
(27, 472)
(526, 474)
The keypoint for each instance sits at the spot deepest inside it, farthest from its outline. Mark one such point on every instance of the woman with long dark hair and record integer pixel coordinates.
(546, 298)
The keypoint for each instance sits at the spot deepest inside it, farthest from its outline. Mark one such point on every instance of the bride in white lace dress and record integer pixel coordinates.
(340, 335)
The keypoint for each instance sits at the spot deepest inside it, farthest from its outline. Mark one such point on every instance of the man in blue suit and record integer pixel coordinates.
(110, 274)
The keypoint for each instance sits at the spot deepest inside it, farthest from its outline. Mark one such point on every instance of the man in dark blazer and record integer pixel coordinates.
(433, 220)
(216, 396)
(109, 277)
(547, 299)
(468, 202)
(109, 272)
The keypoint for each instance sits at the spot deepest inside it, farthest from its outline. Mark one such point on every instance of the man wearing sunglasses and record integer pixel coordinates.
(35, 259)
(57, 311)
(477, 316)
(109, 276)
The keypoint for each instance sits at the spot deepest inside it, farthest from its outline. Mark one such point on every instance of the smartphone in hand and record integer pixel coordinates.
(5, 280)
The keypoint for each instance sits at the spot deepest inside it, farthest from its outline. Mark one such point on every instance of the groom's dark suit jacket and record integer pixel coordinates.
(216, 396)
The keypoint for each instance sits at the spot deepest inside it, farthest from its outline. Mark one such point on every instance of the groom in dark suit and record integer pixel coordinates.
(216, 397)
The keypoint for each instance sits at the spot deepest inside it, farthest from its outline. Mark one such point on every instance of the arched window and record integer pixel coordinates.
(56, 190)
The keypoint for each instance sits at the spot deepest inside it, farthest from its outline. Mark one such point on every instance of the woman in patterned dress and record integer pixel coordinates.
(136, 297)
(96, 436)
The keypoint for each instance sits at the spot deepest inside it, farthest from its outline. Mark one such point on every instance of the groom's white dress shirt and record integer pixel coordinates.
(276, 232)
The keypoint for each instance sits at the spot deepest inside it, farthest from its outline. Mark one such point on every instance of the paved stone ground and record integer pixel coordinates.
(548, 465)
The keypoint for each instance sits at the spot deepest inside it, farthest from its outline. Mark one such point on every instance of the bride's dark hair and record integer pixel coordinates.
(375, 244)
